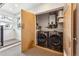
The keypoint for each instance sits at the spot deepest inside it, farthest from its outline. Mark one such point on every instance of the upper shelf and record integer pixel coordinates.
(60, 20)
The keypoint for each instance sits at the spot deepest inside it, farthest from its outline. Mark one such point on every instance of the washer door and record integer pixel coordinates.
(55, 40)
(41, 39)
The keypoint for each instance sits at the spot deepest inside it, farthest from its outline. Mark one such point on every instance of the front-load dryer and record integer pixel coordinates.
(55, 41)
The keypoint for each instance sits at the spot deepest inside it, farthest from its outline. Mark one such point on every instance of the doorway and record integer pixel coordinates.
(32, 28)
(8, 31)
(49, 30)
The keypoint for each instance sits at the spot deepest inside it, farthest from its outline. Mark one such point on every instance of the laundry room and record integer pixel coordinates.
(49, 30)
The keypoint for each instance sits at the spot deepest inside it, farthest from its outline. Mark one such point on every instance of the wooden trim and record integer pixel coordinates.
(74, 27)
(67, 34)
(72, 30)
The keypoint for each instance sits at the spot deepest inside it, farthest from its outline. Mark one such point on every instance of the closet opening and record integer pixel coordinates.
(49, 30)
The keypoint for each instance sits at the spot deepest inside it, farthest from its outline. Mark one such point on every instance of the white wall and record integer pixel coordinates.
(42, 20)
(18, 30)
(14, 32)
(9, 34)
(4, 12)
(18, 34)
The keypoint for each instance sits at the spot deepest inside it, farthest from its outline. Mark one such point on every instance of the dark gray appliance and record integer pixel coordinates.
(42, 37)
(55, 41)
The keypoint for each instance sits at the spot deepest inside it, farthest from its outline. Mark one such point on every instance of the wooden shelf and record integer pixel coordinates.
(60, 20)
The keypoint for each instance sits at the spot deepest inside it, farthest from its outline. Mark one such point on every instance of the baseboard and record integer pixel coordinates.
(7, 47)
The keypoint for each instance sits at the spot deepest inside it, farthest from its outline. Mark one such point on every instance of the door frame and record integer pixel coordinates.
(73, 29)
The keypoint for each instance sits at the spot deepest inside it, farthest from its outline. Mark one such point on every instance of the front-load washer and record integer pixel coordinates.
(42, 38)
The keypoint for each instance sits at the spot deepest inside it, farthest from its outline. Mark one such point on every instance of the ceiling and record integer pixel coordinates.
(14, 8)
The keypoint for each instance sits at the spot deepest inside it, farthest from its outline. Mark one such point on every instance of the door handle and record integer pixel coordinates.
(75, 38)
